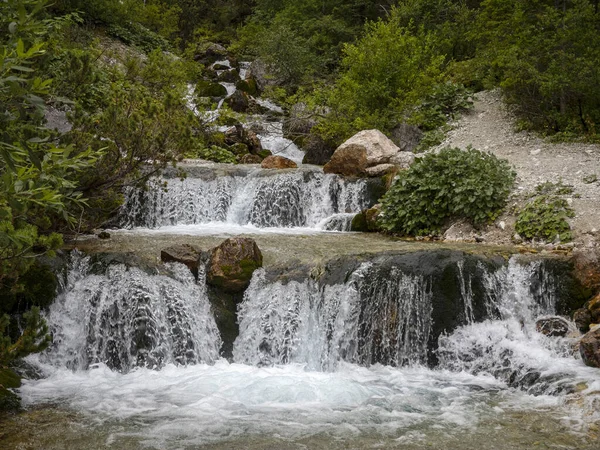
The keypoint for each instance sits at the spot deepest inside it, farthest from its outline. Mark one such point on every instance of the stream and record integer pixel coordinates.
(346, 340)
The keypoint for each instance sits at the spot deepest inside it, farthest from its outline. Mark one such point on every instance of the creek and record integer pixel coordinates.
(345, 340)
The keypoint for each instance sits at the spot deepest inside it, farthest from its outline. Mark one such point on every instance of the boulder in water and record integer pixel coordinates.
(232, 263)
(552, 326)
(184, 253)
(366, 149)
(239, 101)
(277, 162)
(250, 159)
(229, 76)
(366, 220)
(589, 348)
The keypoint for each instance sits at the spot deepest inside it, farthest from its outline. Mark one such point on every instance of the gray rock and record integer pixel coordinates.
(57, 120)
(406, 137)
(552, 326)
(316, 150)
(232, 264)
(185, 253)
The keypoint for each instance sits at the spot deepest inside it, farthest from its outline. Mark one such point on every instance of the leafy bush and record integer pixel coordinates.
(140, 36)
(466, 184)
(444, 103)
(544, 217)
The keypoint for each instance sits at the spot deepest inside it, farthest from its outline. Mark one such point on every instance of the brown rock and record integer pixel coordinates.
(183, 253)
(589, 348)
(239, 101)
(587, 268)
(250, 159)
(594, 308)
(552, 326)
(348, 161)
(232, 263)
(253, 142)
(277, 162)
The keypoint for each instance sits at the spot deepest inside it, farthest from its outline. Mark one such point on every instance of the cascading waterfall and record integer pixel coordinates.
(139, 353)
(364, 321)
(126, 318)
(290, 199)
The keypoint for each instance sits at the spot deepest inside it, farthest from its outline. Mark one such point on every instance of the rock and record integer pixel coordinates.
(205, 88)
(587, 268)
(104, 235)
(229, 76)
(238, 135)
(184, 253)
(264, 154)
(57, 120)
(210, 52)
(380, 170)
(248, 86)
(406, 137)
(232, 263)
(552, 326)
(367, 148)
(239, 149)
(250, 159)
(277, 162)
(594, 308)
(219, 67)
(366, 220)
(403, 160)
(253, 142)
(461, 231)
(263, 75)
(589, 348)
(316, 150)
(582, 318)
(239, 101)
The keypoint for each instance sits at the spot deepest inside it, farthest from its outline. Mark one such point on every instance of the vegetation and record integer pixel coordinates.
(544, 217)
(450, 185)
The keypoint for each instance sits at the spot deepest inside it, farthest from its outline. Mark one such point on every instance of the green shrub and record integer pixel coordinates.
(465, 184)
(544, 217)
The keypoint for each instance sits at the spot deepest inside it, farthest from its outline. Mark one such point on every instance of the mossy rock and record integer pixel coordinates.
(206, 88)
(239, 149)
(359, 222)
(264, 153)
(232, 264)
(248, 86)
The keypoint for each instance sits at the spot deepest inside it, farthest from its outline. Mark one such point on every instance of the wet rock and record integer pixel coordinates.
(589, 348)
(406, 137)
(184, 253)
(239, 101)
(366, 149)
(277, 162)
(229, 76)
(366, 221)
(104, 235)
(232, 263)
(253, 142)
(582, 318)
(250, 159)
(238, 135)
(552, 326)
(263, 75)
(316, 150)
(205, 88)
(219, 67)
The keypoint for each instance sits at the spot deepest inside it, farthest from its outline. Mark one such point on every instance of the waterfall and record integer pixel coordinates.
(261, 198)
(126, 318)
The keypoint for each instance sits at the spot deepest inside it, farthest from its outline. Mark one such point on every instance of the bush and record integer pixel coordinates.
(544, 218)
(453, 184)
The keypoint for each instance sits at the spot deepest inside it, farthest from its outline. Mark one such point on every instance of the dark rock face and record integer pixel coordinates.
(278, 162)
(589, 347)
(104, 235)
(185, 254)
(406, 137)
(366, 221)
(552, 326)
(239, 101)
(582, 318)
(317, 151)
(229, 76)
(232, 263)
(238, 135)
(593, 307)
(248, 86)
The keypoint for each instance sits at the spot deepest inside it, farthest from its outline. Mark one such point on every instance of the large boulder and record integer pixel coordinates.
(263, 74)
(366, 149)
(277, 162)
(582, 318)
(239, 101)
(316, 150)
(184, 253)
(206, 88)
(232, 263)
(552, 326)
(589, 347)
(594, 308)
(209, 52)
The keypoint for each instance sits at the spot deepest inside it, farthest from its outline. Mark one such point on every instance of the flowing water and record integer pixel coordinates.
(307, 369)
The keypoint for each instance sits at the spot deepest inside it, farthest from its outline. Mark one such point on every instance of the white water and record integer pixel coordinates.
(260, 198)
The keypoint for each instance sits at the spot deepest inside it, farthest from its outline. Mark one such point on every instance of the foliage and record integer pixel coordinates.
(452, 184)
(213, 153)
(33, 339)
(384, 76)
(544, 217)
(136, 34)
(444, 103)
